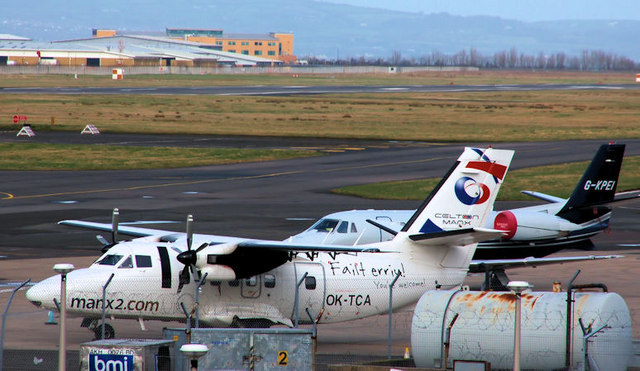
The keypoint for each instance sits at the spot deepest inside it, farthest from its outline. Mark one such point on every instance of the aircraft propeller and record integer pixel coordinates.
(190, 257)
(115, 216)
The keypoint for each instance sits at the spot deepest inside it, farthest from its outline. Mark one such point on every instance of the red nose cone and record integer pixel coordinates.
(506, 221)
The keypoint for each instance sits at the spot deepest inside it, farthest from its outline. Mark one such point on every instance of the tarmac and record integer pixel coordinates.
(245, 201)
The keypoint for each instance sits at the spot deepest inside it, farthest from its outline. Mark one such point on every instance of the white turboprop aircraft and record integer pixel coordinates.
(252, 282)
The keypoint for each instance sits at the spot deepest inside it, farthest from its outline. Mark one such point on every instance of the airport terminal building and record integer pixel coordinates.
(177, 48)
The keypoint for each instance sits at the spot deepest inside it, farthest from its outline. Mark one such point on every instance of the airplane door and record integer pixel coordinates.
(251, 287)
(311, 292)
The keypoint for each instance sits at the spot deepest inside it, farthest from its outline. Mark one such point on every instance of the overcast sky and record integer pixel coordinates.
(523, 10)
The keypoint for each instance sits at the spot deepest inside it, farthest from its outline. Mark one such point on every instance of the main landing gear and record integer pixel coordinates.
(95, 326)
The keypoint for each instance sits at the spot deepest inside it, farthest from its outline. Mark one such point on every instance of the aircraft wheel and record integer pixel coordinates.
(109, 332)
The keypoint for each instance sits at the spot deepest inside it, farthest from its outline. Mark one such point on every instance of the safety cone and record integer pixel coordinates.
(407, 354)
(51, 320)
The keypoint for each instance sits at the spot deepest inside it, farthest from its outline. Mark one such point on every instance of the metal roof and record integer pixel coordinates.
(6, 36)
(137, 46)
(247, 36)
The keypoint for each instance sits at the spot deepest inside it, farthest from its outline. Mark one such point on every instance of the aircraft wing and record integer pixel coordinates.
(293, 247)
(481, 266)
(458, 237)
(544, 196)
(123, 229)
(626, 196)
(619, 197)
(170, 236)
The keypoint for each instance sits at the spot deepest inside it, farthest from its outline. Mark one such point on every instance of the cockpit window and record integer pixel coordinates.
(143, 261)
(325, 225)
(353, 228)
(343, 227)
(127, 263)
(111, 259)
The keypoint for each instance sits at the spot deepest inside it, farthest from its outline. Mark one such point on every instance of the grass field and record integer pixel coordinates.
(557, 180)
(30, 156)
(492, 117)
(483, 77)
(437, 117)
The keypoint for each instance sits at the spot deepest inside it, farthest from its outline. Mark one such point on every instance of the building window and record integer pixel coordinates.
(231, 43)
(245, 43)
(245, 52)
(272, 44)
(271, 52)
(218, 42)
(258, 43)
(257, 52)
(232, 51)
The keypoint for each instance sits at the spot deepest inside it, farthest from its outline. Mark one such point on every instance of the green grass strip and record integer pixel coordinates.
(556, 180)
(35, 156)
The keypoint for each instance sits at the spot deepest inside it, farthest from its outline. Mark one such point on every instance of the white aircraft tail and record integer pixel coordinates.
(450, 219)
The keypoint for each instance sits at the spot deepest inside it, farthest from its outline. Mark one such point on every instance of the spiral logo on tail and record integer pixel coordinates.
(470, 192)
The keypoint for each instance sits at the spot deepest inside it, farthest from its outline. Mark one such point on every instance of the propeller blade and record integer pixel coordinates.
(184, 278)
(102, 239)
(201, 247)
(189, 231)
(114, 225)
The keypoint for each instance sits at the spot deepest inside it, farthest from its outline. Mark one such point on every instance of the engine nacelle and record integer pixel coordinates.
(218, 272)
(532, 226)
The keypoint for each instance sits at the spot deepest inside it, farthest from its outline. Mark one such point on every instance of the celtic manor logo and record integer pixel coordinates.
(470, 192)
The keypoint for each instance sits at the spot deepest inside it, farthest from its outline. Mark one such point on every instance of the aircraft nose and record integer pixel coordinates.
(43, 293)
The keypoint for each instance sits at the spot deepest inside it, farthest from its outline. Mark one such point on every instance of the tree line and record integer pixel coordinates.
(587, 60)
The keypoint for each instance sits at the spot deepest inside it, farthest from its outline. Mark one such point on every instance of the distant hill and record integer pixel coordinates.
(324, 29)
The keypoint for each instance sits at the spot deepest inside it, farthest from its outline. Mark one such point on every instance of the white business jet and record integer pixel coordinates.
(248, 282)
(530, 232)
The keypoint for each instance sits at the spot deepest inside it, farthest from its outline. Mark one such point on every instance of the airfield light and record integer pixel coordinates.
(63, 269)
(194, 352)
(517, 287)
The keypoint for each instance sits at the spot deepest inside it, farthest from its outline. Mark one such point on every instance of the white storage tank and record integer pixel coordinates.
(484, 329)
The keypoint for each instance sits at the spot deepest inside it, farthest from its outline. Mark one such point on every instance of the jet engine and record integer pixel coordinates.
(532, 226)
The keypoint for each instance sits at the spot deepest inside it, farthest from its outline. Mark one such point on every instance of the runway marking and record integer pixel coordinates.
(384, 164)
(164, 185)
(205, 181)
(270, 175)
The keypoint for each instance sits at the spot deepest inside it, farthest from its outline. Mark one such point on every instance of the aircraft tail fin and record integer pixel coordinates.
(597, 185)
(465, 196)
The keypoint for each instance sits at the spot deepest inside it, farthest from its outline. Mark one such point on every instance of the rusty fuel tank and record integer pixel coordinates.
(479, 325)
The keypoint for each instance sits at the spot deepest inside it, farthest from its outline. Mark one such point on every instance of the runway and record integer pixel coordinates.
(262, 200)
(285, 90)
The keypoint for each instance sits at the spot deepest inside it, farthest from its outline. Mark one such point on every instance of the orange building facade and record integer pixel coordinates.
(275, 45)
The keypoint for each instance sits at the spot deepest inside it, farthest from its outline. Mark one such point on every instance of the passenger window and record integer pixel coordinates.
(342, 228)
(112, 259)
(353, 228)
(251, 281)
(234, 283)
(127, 263)
(310, 283)
(269, 281)
(143, 261)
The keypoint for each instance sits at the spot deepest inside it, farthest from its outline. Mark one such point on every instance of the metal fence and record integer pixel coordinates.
(31, 343)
